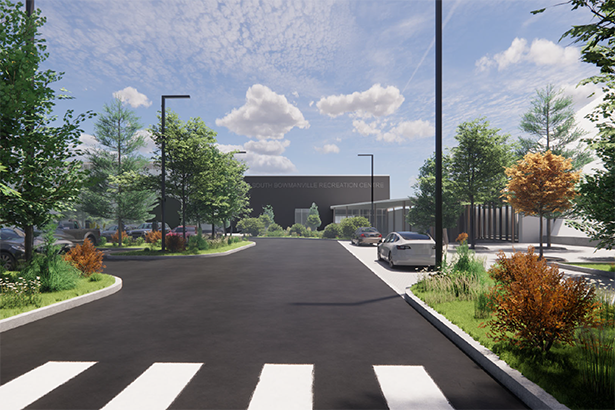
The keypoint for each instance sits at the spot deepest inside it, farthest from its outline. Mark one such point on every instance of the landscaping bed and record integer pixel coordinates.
(608, 267)
(579, 374)
(156, 250)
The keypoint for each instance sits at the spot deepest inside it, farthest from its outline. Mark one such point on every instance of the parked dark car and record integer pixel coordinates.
(143, 229)
(365, 235)
(12, 246)
(190, 230)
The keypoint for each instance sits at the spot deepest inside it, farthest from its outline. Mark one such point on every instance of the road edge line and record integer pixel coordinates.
(50, 310)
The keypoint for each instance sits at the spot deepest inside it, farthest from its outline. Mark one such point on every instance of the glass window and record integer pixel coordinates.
(414, 236)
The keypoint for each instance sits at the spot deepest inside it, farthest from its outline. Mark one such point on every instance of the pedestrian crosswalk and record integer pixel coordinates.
(280, 386)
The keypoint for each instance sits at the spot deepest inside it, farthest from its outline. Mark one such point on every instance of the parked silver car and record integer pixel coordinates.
(365, 235)
(408, 248)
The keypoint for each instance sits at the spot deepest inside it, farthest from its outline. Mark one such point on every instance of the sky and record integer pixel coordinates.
(305, 86)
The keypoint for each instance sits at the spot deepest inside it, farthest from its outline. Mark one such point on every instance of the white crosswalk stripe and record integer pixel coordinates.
(28, 388)
(284, 386)
(410, 387)
(156, 388)
(280, 386)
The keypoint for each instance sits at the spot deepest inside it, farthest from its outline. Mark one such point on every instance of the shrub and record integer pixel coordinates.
(298, 230)
(266, 220)
(115, 237)
(175, 242)
(50, 268)
(96, 277)
(313, 221)
(103, 240)
(466, 262)
(153, 236)
(332, 230)
(275, 228)
(350, 225)
(253, 226)
(193, 244)
(536, 303)
(86, 258)
(139, 241)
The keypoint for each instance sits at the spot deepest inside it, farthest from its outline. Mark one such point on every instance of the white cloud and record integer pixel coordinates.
(328, 149)
(88, 142)
(375, 102)
(150, 146)
(541, 52)
(265, 115)
(273, 164)
(132, 97)
(267, 147)
(581, 94)
(263, 156)
(403, 131)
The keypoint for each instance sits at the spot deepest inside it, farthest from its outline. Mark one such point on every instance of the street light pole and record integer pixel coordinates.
(438, 198)
(163, 167)
(371, 219)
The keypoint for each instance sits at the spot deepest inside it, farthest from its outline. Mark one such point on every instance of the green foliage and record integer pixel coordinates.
(298, 230)
(96, 277)
(253, 226)
(115, 188)
(477, 165)
(268, 211)
(103, 241)
(350, 225)
(593, 207)
(552, 126)
(313, 219)
(266, 220)
(332, 230)
(422, 214)
(275, 228)
(40, 158)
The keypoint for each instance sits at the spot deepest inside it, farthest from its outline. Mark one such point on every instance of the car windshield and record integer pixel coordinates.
(413, 236)
(369, 230)
(8, 233)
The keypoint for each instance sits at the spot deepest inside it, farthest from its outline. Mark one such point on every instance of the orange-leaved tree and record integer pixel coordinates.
(536, 303)
(541, 184)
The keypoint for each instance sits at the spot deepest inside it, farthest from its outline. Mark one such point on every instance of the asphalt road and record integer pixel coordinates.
(301, 302)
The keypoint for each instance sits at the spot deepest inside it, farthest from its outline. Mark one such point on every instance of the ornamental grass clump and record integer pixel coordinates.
(86, 258)
(536, 306)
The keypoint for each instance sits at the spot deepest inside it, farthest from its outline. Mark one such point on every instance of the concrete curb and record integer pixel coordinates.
(529, 392)
(603, 273)
(149, 258)
(41, 313)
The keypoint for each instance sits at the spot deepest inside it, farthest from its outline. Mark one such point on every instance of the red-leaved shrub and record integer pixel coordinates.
(86, 258)
(536, 303)
(175, 242)
(153, 236)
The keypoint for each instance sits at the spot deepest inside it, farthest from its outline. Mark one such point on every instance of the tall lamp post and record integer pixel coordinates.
(163, 168)
(371, 219)
(438, 198)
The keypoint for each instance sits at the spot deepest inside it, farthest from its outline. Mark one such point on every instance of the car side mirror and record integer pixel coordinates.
(379, 240)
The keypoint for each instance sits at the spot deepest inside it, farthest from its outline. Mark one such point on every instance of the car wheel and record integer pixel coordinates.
(7, 260)
(391, 263)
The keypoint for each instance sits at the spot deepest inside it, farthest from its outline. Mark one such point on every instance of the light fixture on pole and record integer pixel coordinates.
(163, 167)
(371, 219)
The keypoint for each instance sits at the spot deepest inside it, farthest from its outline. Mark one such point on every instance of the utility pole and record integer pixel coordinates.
(438, 198)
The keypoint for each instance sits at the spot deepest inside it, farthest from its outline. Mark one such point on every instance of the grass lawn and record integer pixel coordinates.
(609, 267)
(145, 251)
(557, 371)
(83, 286)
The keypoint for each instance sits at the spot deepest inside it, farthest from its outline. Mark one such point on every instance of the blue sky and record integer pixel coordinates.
(305, 86)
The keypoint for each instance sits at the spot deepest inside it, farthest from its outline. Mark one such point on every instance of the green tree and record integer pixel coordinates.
(552, 126)
(594, 207)
(190, 153)
(40, 158)
(477, 165)
(268, 210)
(313, 219)
(422, 214)
(113, 190)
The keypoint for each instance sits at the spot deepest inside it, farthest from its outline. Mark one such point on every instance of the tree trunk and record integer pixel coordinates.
(29, 242)
(184, 210)
(548, 233)
(540, 233)
(472, 239)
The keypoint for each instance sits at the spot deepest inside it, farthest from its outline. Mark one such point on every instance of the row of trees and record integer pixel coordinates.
(474, 170)
(40, 171)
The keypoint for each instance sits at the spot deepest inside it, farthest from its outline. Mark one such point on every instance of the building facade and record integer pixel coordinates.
(292, 195)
